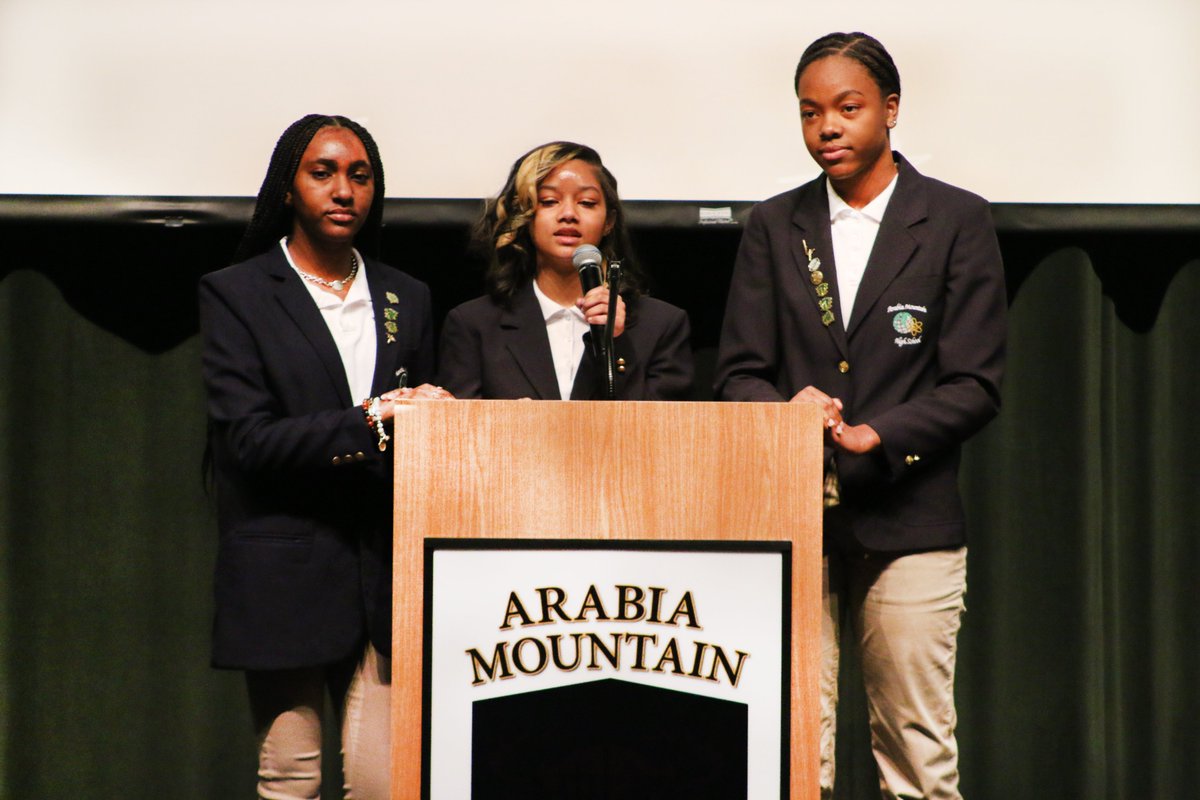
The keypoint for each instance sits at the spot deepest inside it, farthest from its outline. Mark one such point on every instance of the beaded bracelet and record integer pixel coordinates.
(370, 408)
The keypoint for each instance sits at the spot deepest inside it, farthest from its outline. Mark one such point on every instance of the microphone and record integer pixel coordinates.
(587, 260)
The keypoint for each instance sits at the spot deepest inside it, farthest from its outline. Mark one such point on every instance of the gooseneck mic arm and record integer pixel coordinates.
(610, 351)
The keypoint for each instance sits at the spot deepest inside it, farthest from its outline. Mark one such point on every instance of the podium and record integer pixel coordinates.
(523, 469)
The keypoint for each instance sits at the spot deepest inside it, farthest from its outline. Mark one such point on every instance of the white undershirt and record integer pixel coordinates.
(565, 326)
(351, 322)
(854, 231)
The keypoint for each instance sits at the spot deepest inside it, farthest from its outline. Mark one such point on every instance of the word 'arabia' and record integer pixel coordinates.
(639, 652)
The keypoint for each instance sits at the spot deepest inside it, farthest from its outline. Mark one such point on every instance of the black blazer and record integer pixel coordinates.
(489, 351)
(303, 571)
(935, 262)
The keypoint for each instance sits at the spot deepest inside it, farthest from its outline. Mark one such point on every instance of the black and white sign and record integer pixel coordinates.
(552, 667)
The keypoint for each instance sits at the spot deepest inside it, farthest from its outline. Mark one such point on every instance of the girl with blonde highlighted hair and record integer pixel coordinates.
(528, 336)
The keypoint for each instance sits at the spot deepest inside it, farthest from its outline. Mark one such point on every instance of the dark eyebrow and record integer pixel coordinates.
(332, 163)
(842, 96)
(555, 188)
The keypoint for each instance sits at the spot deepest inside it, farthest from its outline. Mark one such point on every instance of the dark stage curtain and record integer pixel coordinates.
(1078, 673)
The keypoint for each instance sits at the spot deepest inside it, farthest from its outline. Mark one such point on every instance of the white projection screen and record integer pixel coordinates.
(1023, 101)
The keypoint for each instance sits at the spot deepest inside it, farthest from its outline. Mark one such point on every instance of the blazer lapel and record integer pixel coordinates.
(810, 226)
(524, 330)
(385, 378)
(591, 372)
(587, 373)
(291, 293)
(895, 243)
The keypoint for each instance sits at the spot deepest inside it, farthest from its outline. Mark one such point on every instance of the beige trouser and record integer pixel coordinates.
(904, 616)
(287, 707)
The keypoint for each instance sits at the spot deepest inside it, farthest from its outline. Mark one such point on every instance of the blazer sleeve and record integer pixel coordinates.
(248, 400)
(970, 353)
(748, 356)
(459, 356)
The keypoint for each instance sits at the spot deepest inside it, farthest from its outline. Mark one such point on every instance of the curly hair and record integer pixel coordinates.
(272, 218)
(866, 50)
(503, 231)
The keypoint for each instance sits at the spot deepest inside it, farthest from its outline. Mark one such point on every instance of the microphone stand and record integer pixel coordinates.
(606, 346)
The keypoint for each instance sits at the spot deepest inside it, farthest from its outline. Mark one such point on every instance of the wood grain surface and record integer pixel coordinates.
(549, 470)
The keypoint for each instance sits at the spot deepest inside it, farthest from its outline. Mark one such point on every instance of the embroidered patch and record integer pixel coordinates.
(906, 324)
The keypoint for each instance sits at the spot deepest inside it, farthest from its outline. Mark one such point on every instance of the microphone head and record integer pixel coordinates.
(586, 255)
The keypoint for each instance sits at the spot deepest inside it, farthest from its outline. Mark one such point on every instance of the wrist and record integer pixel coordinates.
(373, 415)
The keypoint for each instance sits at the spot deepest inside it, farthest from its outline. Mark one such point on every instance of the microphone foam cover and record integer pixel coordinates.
(586, 254)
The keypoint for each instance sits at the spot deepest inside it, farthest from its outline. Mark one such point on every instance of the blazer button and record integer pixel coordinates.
(358, 456)
(620, 365)
(910, 460)
(843, 367)
(337, 460)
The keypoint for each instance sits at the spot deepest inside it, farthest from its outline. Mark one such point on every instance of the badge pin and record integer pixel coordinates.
(827, 318)
(822, 289)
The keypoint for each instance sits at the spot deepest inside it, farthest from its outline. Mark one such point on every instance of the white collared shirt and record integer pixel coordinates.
(565, 326)
(351, 322)
(854, 231)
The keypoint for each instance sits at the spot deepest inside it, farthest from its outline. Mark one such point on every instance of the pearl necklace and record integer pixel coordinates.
(337, 286)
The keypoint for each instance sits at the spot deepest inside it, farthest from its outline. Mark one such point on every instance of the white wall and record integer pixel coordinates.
(1019, 100)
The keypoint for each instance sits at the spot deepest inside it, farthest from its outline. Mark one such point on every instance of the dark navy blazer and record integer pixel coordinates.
(920, 362)
(490, 351)
(303, 573)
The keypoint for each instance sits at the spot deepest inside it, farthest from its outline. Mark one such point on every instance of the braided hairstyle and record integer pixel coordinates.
(272, 218)
(866, 50)
(503, 232)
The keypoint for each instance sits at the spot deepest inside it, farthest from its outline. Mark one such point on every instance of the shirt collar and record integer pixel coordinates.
(357, 293)
(550, 308)
(839, 208)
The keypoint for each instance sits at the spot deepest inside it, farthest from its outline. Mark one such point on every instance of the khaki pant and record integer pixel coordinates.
(287, 707)
(903, 614)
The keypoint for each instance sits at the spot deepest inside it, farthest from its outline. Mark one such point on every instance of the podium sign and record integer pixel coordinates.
(645, 668)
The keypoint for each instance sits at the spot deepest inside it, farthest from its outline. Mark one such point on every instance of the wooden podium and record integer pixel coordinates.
(532, 469)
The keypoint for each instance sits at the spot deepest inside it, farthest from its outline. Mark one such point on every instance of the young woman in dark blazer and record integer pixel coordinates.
(303, 341)
(525, 338)
(878, 294)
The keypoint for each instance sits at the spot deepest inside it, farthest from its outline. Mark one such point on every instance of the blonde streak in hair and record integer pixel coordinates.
(526, 182)
(532, 170)
(506, 233)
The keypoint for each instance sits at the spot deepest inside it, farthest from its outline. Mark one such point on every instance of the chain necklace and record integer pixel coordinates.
(337, 286)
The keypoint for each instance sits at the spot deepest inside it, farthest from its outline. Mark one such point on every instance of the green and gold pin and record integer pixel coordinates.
(825, 303)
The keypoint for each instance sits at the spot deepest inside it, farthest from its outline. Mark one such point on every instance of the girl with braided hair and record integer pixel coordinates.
(303, 343)
(526, 337)
(877, 294)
